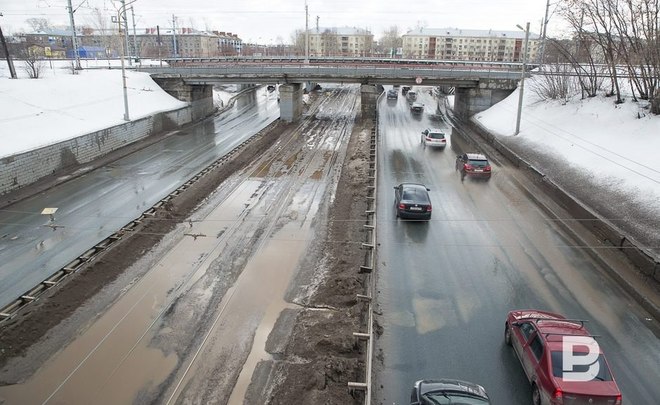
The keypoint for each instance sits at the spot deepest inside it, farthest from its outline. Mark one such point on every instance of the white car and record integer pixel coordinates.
(434, 137)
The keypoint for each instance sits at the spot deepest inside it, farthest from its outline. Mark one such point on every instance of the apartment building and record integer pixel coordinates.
(338, 41)
(469, 45)
(146, 42)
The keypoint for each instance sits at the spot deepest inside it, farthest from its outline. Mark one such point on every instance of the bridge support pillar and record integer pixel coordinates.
(473, 100)
(369, 98)
(291, 102)
(200, 96)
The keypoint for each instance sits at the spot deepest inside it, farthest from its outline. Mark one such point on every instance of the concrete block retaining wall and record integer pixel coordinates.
(27, 168)
(645, 261)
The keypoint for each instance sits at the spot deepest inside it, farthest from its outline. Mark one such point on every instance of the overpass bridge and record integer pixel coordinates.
(478, 85)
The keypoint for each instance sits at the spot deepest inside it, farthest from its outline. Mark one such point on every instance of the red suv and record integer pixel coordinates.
(473, 165)
(561, 359)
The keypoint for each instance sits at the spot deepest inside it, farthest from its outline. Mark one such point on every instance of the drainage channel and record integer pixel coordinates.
(12, 309)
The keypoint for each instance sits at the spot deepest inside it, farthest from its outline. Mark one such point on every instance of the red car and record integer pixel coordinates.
(473, 165)
(561, 359)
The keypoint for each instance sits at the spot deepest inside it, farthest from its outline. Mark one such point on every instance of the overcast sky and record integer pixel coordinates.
(273, 21)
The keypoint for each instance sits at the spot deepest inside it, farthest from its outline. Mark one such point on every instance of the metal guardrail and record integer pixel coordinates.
(10, 310)
(369, 265)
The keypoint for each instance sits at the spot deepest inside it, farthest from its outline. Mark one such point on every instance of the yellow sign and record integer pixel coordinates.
(47, 51)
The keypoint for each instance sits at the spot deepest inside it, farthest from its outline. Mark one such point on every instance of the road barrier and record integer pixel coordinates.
(369, 264)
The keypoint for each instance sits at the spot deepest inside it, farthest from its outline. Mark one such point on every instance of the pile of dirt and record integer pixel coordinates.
(322, 355)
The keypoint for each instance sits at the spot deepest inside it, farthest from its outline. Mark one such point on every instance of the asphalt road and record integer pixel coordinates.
(95, 205)
(444, 287)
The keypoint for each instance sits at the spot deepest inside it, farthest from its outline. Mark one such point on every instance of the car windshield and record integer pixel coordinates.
(480, 163)
(436, 135)
(454, 398)
(557, 367)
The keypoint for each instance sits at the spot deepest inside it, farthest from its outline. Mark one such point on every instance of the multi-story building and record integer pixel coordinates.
(469, 45)
(338, 41)
(146, 42)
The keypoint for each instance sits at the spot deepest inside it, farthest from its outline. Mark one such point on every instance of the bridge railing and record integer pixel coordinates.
(376, 73)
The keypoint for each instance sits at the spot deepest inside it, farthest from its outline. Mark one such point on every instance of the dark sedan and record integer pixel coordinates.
(412, 201)
(446, 391)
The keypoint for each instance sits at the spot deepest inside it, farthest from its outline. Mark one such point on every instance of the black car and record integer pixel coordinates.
(447, 391)
(391, 93)
(412, 201)
(473, 165)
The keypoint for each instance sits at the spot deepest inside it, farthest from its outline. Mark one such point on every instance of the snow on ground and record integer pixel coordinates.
(594, 135)
(60, 105)
(616, 144)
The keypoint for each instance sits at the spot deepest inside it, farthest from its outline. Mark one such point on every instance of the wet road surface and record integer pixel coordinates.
(93, 206)
(445, 287)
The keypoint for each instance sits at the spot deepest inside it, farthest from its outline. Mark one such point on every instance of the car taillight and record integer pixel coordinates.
(558, 394)
(429, 208)
(402, 206)
(618, 400)
(487, 168)
(467, 166)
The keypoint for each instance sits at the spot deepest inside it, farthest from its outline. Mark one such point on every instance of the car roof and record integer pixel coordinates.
(435, 130)
(553, 327)
(417, 105)
(448, 385)
(476, 156)
(413, 186)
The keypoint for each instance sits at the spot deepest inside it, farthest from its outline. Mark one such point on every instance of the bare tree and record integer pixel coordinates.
(298, 41)
(106, 32)
(557, 83)
(38, 24)
(391, 40)
(34, 63)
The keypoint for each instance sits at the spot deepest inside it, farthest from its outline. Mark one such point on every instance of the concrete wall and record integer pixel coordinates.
(473, 100)
(26, 168)
(468, 102)
(369, 98)
(291, 102)
(200, 96)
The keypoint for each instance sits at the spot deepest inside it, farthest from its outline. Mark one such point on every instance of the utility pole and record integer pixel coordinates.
(160, 59)
(174, 35)
(545, 26)
(522, 79)
(306, 34)
(74, 39)
(123, 24)
(12, 71)
(135, 47)
(317, 23)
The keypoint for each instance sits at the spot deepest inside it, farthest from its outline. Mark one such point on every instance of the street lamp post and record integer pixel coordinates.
(120, 11)
(522, 77)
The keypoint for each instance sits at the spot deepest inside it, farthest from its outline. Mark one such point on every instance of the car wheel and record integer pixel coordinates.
(536, 395)
(507, 334)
